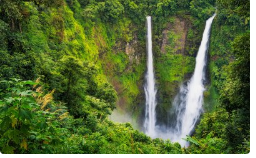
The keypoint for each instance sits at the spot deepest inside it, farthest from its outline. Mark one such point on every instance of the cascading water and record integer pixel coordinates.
(149, 87)
(188, 103)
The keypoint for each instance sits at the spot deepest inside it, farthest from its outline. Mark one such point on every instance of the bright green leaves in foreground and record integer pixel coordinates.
(15, 115)
(227, 130)
(31, 122)
(229, 124)
(235, 94)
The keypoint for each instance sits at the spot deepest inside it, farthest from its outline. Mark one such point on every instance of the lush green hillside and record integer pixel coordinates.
(225, 128)
(65, 65)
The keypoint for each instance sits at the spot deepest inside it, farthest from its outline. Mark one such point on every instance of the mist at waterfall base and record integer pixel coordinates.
(187, 105)
(123, 117)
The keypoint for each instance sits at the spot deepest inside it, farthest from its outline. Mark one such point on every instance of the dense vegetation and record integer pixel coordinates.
(65, 65)
(226, 127)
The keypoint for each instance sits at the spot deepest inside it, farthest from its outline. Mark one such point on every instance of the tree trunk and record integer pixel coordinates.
(20, 28)
(68, 86)
(12, 24)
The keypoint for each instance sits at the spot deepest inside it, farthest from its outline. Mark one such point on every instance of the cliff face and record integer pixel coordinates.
(124, 65)
(178, 27)
(173, 62)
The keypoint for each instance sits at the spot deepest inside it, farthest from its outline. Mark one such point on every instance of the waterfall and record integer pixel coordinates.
(188, 103)
(149, 87)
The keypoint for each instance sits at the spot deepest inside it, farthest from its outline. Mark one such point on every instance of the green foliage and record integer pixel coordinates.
(78, 47)
(74, 82)
(111, 10)
(238, 7)
(91, 11)
(12, 11)
(25, 126)
(17, 65)
(238, 76)
(134, 11)
(202, 8)
(191, 140)
(165, 8)
(208, 145)
(183, 4)
(228, 125)
(214, 123)
(49, 3)
(17, 105)
(31, 122)
(3, 33)
(236, 100)
(173, 67)
(210, 135)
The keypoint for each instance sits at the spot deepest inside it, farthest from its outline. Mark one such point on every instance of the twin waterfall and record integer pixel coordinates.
(150, 90)
(187, 105)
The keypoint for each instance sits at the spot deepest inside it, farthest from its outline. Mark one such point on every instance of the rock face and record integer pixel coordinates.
(172, 64)
(127, 80)
(130, 50)
(176, 33)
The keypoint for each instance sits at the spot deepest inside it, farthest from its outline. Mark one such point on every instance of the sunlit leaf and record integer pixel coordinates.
(191, 140)
(14, 122)
(29, 82)
(24, 144)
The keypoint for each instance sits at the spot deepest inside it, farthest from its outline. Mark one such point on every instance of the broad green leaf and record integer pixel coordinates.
(25, 114)
(6, 121)
(2, 103)
(3, 81)
(15, 79)
(26, 93)
(29, 82)
(191, 140)
(9, 100)
(14, 122)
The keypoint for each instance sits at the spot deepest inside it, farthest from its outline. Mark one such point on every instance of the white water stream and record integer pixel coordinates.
(149, 87)
(188, 104)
